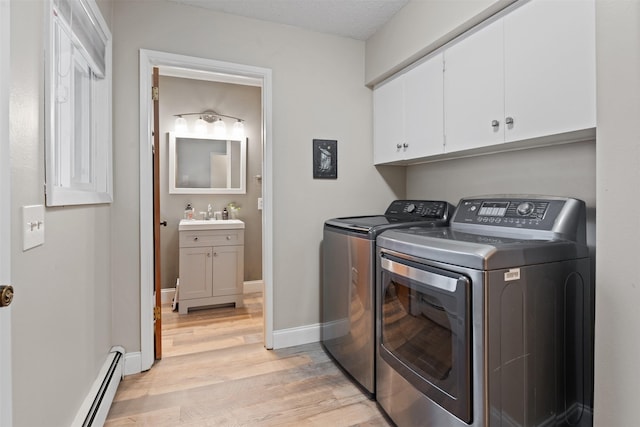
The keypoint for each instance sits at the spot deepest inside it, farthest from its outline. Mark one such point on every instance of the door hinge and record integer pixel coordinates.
(155, 93)
(157, 315)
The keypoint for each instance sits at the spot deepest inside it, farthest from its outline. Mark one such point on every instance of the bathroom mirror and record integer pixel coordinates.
(199, 164)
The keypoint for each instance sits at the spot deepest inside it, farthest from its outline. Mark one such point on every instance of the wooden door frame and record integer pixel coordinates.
(148, 60)
(6, 399)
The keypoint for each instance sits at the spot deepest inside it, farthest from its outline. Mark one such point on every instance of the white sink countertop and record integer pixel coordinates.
(210, 224)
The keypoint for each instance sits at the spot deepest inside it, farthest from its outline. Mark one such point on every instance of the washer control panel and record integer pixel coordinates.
(529, 213)
(419, 209)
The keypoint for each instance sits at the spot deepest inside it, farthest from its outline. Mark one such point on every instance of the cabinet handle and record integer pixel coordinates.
(398, 146)
(195, 239)
(215, 254)
(509, 120)
(405, 145)
(228, 237)
(495, 123)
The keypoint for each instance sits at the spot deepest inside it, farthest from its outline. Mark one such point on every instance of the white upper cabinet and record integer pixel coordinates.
(424, 117)
(474, 90)
(550, 68)
(388, 122)
(524, 78)
(408, 114)
(530, 74)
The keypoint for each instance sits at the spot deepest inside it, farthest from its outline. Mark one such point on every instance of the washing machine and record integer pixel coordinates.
(348, 285)
(488, 322)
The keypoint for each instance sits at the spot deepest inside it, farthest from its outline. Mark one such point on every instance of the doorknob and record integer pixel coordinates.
(6, 295)
(163, 223)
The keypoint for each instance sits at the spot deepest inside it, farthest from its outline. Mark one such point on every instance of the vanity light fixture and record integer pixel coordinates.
(238, 130)
(219, 129)
(181, 124)
(210, 116)
(200, 126)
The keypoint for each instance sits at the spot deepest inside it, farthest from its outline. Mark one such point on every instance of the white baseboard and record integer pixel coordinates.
(96, 405)
(132, 363)
(252, 286)
(296, 336)
(167, 294)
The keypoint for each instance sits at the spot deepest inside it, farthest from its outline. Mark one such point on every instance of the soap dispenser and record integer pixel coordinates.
(225, 214)
(188, 211)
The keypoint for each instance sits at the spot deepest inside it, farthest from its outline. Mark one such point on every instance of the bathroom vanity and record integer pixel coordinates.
(211, 265)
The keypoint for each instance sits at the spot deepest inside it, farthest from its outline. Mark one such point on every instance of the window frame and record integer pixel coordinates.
(96, 185)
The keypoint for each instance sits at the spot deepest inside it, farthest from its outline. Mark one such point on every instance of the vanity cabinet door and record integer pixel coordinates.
(228, 268)
(474, 90)
(550, 68)
(196, 272)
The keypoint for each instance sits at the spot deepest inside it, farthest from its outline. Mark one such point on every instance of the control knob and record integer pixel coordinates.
(525, 208)
(411, 207)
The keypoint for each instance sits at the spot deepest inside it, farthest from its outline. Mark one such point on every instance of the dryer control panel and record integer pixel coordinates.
(559, 215)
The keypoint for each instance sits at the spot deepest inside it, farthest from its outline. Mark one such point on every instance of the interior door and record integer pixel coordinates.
(156, 215)
(5, 232)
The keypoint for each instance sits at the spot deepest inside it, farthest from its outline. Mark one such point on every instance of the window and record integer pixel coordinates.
(78, 106)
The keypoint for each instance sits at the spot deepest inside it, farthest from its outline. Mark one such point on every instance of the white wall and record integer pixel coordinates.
(318, 92)
(618, 170)
(420, 27)
(62, 307)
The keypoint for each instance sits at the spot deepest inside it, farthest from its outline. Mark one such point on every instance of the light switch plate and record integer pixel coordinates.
(32, 226)
(259, 203)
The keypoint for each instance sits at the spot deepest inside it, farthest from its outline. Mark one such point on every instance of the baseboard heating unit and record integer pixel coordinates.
(95, 407)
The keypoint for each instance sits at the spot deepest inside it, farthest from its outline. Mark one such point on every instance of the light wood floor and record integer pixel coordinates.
(216, 372)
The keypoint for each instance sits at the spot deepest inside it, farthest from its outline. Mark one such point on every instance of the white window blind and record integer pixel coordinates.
(78, 149)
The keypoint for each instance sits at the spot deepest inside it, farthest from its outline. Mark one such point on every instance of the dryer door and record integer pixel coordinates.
(425, 331)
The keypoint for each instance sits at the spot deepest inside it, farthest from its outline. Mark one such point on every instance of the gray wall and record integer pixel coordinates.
(318, 92)
(562, 170)
(180, 95)
(618, 176)
(61, 325)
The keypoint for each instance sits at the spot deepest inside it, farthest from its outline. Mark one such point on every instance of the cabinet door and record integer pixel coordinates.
(195, 272)
(423, 107)
(550, 68)
(388, 122)
(228, 270)
(474, 90)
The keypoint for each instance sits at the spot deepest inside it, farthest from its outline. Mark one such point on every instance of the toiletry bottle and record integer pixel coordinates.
(225, 214)
(188, 211)
(209, 211)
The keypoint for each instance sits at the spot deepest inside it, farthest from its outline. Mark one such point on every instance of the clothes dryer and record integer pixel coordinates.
(488, 322)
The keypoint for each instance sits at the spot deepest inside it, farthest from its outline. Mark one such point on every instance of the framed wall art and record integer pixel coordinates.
(325, 159)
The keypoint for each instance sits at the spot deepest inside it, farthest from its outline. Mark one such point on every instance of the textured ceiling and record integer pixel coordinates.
(357, 19)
